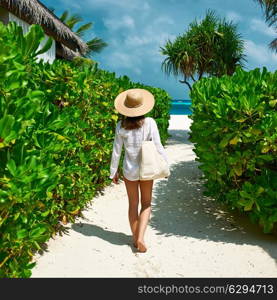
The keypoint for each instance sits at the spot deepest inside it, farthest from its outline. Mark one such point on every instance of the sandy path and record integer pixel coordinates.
(189, 235)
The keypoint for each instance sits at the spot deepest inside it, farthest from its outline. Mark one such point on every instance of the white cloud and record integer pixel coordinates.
(146, 44)
(145, 6)
(123, 63)
(162, 38)
(233, 16)
(71, 4)
(121, 4)
(123, 60)
(136, 46)
(137, 71)
(163, 20)
(260, 53)
(119, 23)
(120, 59)
(135, 41)
(260, 26)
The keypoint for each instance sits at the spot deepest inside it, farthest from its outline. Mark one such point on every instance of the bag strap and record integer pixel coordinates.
(149, 125)
(151, 138)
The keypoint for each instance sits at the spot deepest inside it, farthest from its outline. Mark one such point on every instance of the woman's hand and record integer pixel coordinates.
(116, 178)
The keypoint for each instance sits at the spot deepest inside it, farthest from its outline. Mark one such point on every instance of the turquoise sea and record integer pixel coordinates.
(180, 107)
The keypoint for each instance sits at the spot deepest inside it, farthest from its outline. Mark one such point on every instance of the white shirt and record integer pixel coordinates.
(132, 140)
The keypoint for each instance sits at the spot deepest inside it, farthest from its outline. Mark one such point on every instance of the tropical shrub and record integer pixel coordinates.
(57, 125)
(235, 134)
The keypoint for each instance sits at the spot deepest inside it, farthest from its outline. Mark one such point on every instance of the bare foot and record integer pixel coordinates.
(141, 246)
(135, 243)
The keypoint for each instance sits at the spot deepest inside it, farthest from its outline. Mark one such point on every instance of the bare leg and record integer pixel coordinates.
(133, 196)
(146, 197)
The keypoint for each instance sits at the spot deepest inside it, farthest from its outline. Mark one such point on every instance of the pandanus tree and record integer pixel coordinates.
(270, 10)
(211, 47)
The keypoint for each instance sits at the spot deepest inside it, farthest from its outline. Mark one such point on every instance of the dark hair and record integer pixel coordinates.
(132, 122)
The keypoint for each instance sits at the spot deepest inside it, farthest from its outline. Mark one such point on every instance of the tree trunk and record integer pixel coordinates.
(187, 83)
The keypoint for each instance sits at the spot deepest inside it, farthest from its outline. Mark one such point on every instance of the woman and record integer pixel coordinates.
(130, 131)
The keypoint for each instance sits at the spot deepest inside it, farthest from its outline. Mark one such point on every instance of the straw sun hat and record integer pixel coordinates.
(134, 102)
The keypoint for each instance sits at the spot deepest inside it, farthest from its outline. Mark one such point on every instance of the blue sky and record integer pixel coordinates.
(135, 30)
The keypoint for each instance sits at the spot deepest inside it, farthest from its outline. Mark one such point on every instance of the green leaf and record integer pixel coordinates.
(238, 170)
(46, 213)
(37, 245)
(224, 142)
(37, 232)
(31, 265)
(16, 216)
(46, 47)
(33, 39)
(13, 85)
(272, 103)
(234, 140)
(3, 193)
(36, 141)
(265, 149)
(11, 167)
(267, 226)
(22, 233)
(27, 273)
(36, 94)
(249, 206)
(241, 120)
(260, 190)
(32, 163)
(6, 124)
(273, 217)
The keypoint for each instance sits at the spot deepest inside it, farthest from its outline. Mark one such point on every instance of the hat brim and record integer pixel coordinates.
(147, 105)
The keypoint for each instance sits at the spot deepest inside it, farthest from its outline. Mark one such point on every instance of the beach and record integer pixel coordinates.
(189, 235)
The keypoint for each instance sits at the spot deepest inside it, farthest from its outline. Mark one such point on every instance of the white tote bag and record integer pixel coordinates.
(152, 165)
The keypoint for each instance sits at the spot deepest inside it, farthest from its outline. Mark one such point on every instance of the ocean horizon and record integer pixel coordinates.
(180, 107)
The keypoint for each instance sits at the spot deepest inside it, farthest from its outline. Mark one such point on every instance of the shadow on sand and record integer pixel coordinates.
(180, 208)
(178, 137)
(116, 238)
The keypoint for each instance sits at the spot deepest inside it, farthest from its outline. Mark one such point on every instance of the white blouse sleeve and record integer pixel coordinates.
(157, 139)
(117, 148)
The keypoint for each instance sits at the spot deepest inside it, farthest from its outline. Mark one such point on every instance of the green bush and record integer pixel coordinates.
(235, 133)
(57, 125)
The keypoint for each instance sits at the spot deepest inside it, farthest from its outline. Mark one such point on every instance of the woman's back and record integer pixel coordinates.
(132, 140)
(133, 137)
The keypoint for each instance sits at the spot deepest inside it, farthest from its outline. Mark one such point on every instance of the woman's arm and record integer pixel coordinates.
(157, 139)
(117, 148)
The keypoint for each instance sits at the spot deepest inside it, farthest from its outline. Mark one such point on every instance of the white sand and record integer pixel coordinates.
(189, 235)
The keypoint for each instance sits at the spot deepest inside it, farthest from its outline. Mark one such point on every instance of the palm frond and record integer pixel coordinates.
(82, 29)
(273, 45)
(92, 46)
(73, 20)
(270, 10)
(64, 16)
(95, 45)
